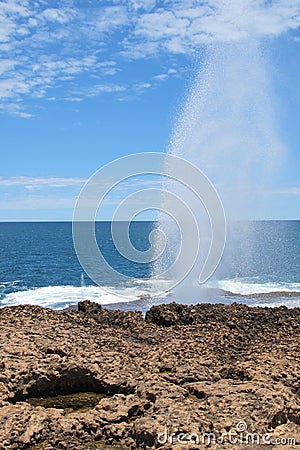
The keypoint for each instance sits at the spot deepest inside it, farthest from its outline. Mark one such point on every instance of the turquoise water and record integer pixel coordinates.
(38, 265)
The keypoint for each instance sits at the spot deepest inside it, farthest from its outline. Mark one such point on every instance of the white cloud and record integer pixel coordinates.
(32, 22)
(7, 27)
(161, 25)
(109, 71)
(19, 7)
(139, 50)
(70, 99)
(166, 75)
(31, 183)
(22, 114)
(14, 109)
(143, 4)
(104, 88)
(10, 12)
(61, 16)
(45, 74)
(160, 77)
(7, 64)
(112, 17)
(10, 86)
(54, 47)
(181, 28)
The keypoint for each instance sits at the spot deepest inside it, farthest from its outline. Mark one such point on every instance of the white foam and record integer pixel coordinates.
(288, 302)
(240, 287)
(59, 297)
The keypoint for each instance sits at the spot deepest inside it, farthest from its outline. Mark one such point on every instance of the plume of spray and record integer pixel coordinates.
(227, 128)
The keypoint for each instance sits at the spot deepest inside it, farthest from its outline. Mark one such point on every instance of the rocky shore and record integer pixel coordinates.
(190, 377)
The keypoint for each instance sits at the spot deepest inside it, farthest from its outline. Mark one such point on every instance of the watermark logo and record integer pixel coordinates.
(168, 199)
(238, 436)
(241, 426)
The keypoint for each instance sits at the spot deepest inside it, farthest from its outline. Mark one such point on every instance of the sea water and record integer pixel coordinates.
(39, 266)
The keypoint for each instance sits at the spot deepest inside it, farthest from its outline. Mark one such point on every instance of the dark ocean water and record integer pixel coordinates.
(38, 265)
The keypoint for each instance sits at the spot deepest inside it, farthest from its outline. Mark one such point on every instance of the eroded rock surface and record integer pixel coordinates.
(182, 378)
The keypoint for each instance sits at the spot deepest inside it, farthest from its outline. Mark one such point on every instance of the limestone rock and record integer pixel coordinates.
(185, 373)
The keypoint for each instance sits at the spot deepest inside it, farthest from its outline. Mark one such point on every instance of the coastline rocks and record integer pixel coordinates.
(185, 377)
(108, 317)
(236, 315)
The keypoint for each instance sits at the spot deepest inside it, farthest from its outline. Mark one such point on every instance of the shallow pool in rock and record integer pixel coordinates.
(78, 402)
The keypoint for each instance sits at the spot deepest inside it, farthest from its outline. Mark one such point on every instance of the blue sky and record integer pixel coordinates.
(83, 82)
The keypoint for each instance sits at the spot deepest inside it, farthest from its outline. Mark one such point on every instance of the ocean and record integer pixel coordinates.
(38, 265)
